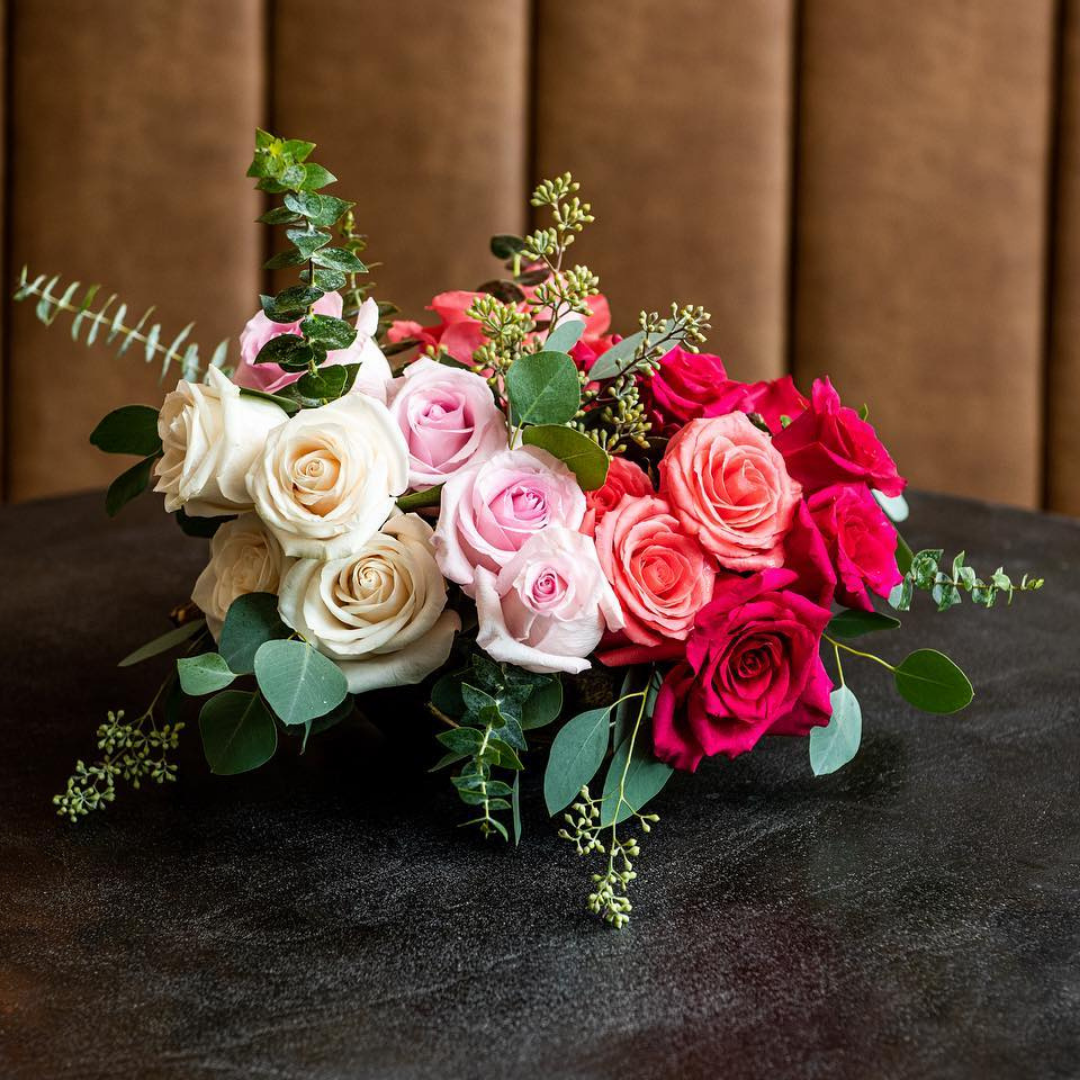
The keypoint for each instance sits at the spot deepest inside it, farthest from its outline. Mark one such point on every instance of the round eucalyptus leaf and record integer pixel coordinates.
(543, 388)
(645, 778)
(238, 733)
(251, 621)
(203, 674)
(932, 682)
(575, 755)
(588, 462)
(835, 744)
(298, 682)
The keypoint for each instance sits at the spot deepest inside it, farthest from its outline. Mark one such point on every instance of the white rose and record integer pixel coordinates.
(548, 607)
(374, 374)
(328, 477)
(379, 614)
(244, 558)
(210, 435)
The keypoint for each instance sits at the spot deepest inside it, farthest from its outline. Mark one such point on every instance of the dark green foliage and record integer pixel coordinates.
(925, 573)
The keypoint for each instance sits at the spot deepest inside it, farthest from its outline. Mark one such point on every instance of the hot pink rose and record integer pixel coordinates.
(861, 541)
(729, 487)
(752, 669)
(548, 607)
(489, 510)
(623, 478)
(659, 572)
(773, 399)
(829, 444)
(457, 331)
(374, 371)
(448, 417)
(688, 386)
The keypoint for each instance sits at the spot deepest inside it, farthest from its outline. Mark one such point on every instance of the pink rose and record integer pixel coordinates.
(548, 607)
(490, 509)
(623, 478)
(752, 668)
(829, 444)
(861, 541)
(455, 329)
(448, 417)
(659, 572)
(688, 386)
(729, 487)
(374, 371)
(774, 398)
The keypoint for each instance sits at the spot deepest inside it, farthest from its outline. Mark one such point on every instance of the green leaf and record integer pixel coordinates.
(833, 746)
(895, 506)
(326, 385)
(297, 149)
(280, 215)
(286, 350)
(506, 245)
(163, 643)
(200, 527)
(515, 807)
(543, 705)
(932, 682)
(238, 733)
(290, 305)
(853, 624)
(543, 388)
(645, 777)
(508, 757)
(566, 335)
(203, 674)
(417, 500)
(287, 405)
(315, 176)
(447, 760)
(339, 259)
(318, 209)
(576, 754)
(904, 555)
(328, 720)
(331, 281)
(308, 241)
(250, 622)
(129, 430)
(298, 682)
(128, 485)
(284, 259)
(462, 740)
(328, 331)
(610, 363)
(578, 452)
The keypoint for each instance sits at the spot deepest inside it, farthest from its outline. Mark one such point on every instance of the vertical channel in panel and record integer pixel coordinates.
(420, 109)
(1063, 375)
(675, 116)
(920, 229)
(132, 126)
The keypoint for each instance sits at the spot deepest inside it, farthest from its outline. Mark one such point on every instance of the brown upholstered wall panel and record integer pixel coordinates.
(682, 146)
(920, 234)
(1063, 386)
(132, 123)
(423, 116)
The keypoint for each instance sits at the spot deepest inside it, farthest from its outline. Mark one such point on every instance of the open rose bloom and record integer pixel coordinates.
(509, 515)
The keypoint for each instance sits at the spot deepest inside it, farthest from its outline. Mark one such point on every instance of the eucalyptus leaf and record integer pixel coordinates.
(165, 642)
(285, 349)
(835, 744)
(588, 462)
(895, 506)
(328, 331)
(575, 756)
(515, 808)
(327, 384)
(645, 777)
(290, 305)
(132, 429)
(543, 705)
(506, 245)
(287, 405)
(462, 740)
(543, 388)
(932, 682)
(298, 682)
(339, 259)
(250, 622)
(238, 734)
(308, 241)
(200, 527)
(129, 485)
(853, 624)
(566, 335)
(203, 674)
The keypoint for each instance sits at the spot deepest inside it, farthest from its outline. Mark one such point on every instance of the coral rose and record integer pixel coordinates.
(730, 488)
(623, 478)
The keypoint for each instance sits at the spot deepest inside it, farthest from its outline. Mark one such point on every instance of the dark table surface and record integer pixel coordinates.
(914, 915)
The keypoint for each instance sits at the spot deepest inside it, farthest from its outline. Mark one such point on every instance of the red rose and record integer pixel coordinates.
(775, 398)
(829, 444)
(806, 552)
(861, 542)
(688, 386)
(752, 669)
(623, 478)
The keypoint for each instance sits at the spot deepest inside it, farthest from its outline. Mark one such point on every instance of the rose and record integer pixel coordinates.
(729, 488)
(548, 607)
(327, 478)
(374, 372)
(774, 398)
(456, 331)
(860, 540)
(448, 417)
(828, 444)
(378, 614)
(490, 509)
(660, 574)
(752, 669)
(244, 558)
(687, 386)
(623, 478)
(210, 435)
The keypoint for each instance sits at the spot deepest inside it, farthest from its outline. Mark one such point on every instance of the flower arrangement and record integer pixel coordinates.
(529, 520)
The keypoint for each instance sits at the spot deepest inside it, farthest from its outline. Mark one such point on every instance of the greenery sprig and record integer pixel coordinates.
(947, 586)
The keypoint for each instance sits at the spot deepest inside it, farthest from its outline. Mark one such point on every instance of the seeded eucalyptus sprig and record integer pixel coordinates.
(282, 167)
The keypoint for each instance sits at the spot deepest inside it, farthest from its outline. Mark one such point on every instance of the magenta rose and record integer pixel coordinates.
(774, 399)
(689, 385)
(861, 542)
(752, 669)
(623, 478)
(828, 444)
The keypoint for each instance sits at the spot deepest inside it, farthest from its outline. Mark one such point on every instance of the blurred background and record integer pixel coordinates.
(885, 191)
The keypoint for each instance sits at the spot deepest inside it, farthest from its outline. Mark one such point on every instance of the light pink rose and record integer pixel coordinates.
(449, 419)
(374, 371)
(548, 607)
(490, 509)
(730, 488)
(660, 573)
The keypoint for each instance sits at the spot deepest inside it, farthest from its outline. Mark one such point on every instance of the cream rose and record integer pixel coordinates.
(548, 607)
(244, 558)
(379, 614)
(328, 477)
(210, 435)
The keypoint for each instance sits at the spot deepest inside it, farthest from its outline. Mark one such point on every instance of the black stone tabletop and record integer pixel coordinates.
(914, 915)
